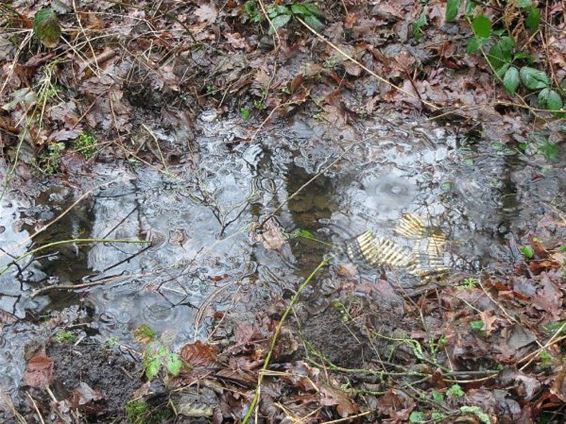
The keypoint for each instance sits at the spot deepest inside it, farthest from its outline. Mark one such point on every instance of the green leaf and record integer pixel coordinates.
(451, 10)
(275, 10)
(437, 416)
(511, 80)
(533, 79)
(549, 150)
(144, 334)
(527, 252)
(46, 27)
(417, 417)
(481, 26)
(419, 24)
(532, 20)
(245, 113)
(523, 4)
(501, 71)
(313, 22)
(470, 7)
(476, 325)
(300, 232)
(550, 99)
(554, 327)
(437, 396)
(313, 9)
(473, 45)
(174, 364)
(153, 359)
(299, 9)
(278, 22)
(455, 391)
(478, 412)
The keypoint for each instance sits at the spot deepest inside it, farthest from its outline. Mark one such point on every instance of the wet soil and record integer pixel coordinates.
(203, 258)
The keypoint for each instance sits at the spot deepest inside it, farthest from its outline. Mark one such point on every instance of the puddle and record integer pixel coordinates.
(197, 217)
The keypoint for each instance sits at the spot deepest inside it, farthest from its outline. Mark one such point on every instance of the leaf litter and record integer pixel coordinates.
(116, 66)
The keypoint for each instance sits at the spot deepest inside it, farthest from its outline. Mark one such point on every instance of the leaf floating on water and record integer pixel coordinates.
(46, 27)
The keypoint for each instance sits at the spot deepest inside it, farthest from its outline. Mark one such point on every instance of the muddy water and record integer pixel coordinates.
(201, 254)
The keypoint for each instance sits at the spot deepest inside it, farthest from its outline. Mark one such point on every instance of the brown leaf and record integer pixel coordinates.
(537, 267)
(206, 13)
(199, 354)
(39, 371)
(84, 394)
(331, 396)
(539, 249)
(549, 298)
(396, 404)
(272, 237)
(489, 320)
(236, 40)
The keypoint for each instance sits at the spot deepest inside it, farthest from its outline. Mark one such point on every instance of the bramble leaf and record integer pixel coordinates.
(533, 79)
(481, 26)
(46, 27)
(451, 10)
(511, 80)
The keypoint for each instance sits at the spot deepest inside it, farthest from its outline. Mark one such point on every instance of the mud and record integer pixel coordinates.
(197, 214)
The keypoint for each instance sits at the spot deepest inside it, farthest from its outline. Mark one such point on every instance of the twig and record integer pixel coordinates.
(275, 337)
(264, 11)
(36, 408)
(70, 241)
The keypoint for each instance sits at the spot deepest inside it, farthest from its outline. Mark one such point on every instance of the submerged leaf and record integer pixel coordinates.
(46, 27)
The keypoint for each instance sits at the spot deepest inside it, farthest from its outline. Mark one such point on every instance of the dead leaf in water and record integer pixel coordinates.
(272, 236)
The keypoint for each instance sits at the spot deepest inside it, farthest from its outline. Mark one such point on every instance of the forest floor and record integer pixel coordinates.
(84, 83)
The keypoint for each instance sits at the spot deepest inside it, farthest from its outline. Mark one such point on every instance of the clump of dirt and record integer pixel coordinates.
(107, 371)
(88, 380)
(334, 339)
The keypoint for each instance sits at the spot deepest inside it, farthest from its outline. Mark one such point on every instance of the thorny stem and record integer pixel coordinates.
(267, 360)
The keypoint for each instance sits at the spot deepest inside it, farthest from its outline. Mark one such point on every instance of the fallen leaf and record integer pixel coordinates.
(206, 13)
(333, 397)
(199, 354)
(39, 371)
(84, 394)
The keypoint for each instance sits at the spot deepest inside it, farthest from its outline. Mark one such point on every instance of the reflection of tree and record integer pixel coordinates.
(307, 208)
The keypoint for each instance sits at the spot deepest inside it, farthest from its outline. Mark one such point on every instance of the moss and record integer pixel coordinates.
(86, 145)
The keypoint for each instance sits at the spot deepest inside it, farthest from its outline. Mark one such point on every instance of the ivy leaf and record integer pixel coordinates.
(46, 27)
(278, 22)
(511, 80)
(532, 20)
(481, 26)
(550, 99)
(451, 10)
(533, 79)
